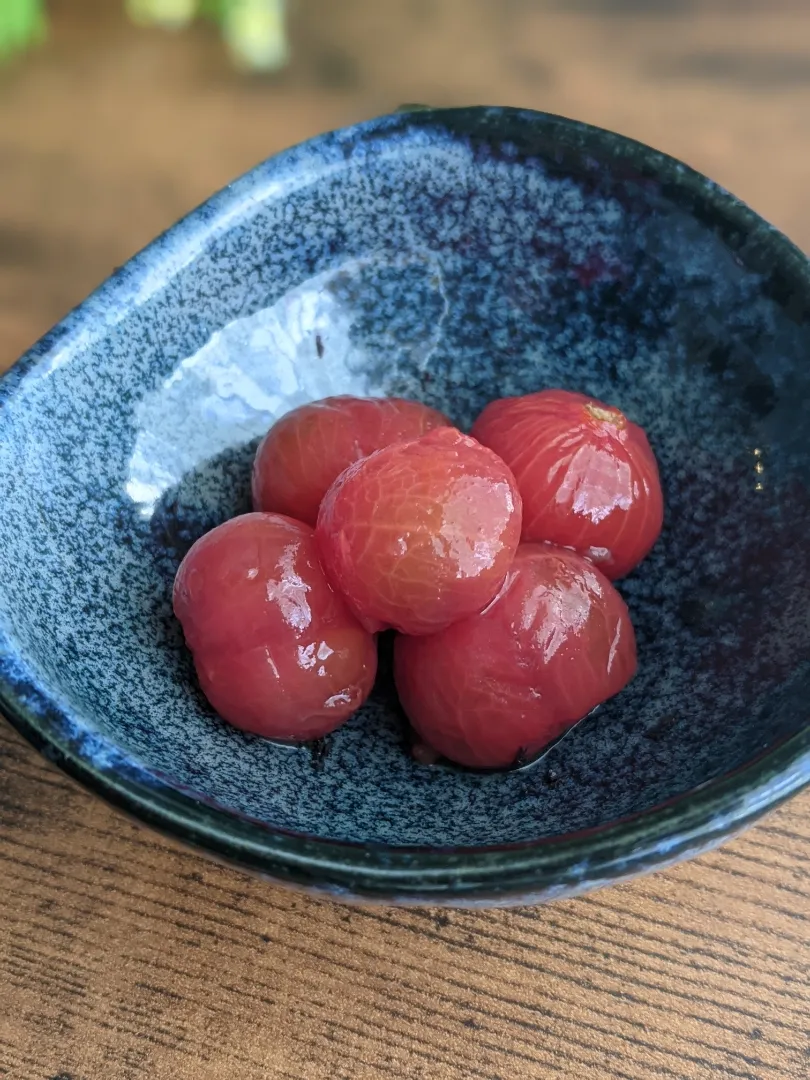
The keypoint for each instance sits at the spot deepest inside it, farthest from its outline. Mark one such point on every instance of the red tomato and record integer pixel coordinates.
(588, 476)
(306, 450)
(276, 650)
(555, 642)
(420, 534)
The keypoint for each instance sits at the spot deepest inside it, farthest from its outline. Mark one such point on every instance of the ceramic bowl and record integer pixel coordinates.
(450, 256)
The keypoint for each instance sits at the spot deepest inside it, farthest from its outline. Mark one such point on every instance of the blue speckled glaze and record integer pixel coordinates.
(450, 256)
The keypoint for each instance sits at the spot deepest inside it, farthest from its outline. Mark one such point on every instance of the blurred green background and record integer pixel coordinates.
(112, 124)
(253, 30)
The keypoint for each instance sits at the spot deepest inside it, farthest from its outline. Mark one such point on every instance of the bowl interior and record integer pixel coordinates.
(452, 258)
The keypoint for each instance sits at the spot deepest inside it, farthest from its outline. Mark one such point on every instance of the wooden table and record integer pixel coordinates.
(122, 957)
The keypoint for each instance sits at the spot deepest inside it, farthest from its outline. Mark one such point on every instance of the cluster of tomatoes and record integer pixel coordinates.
(491, 554)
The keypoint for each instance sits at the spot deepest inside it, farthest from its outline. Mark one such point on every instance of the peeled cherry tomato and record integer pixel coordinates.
(422, 533)
(306, 450)
(588, 476)
(276, 650)
(555, 642)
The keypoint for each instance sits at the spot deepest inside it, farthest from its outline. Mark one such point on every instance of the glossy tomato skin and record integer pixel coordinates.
(276, 650)
(307, 449)
(422, 533)
(556, 642)
(588, 476)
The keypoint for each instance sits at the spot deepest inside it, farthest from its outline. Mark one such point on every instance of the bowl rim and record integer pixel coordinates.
(538, 869)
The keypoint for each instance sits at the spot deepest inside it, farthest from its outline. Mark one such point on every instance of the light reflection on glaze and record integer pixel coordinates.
(255, 369)
(248, 374)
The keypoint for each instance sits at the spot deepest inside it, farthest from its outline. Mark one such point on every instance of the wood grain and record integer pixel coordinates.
(124, 957)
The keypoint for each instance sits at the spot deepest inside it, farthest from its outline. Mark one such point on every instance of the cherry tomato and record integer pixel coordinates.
(555, 642)
(588, 476)
(276, 650)
(422, 533)
(306, 450)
